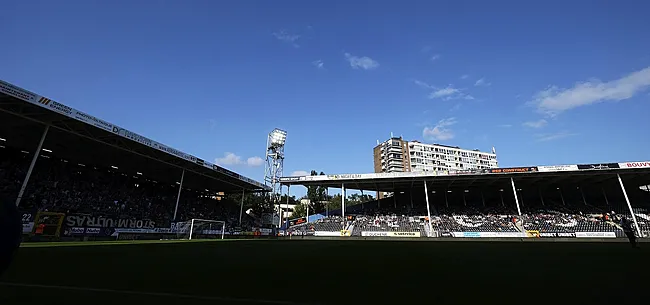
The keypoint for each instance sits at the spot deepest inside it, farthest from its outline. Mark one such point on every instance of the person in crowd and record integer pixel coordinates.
(627, 226)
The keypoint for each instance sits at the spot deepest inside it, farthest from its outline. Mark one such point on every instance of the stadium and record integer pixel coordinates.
(113, 216)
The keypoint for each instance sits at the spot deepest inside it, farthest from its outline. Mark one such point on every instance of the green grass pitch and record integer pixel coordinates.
(328, 272)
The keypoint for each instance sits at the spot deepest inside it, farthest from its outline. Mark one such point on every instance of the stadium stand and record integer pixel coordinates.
(586, 204)
(91, 170)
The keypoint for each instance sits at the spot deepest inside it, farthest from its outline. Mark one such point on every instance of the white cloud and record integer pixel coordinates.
(447, 93)
(422, 84)
(233, 159)
(254, 161)
(554, 136)
(464, 76)
(482, 82)
(536, 124)
(435, 57)
(299, 173)
(449, 90)
(363, 62)
(288, 38)
(318, 64)
(553, 100)
(441, 131)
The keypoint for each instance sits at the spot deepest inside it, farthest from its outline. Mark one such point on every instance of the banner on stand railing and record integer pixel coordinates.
(490, 234)
(595, 235)
(327, 233)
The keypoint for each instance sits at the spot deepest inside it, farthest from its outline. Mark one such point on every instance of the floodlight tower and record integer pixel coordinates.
(274, 163)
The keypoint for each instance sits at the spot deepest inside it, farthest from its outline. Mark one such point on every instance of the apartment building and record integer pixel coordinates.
(398, 155)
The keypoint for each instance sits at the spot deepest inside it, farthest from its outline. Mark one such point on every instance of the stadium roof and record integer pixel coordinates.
(80, 137)
(635, 173)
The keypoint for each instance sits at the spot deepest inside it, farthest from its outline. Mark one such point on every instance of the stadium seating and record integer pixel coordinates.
(60, 186)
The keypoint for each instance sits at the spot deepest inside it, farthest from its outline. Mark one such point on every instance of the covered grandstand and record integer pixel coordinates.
(44, 144)
(583, 200)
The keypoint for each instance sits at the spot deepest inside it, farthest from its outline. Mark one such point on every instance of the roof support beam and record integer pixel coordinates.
(31, 165)
(629, 206)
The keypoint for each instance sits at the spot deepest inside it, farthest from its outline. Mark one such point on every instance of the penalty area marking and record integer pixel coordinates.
(153, 294)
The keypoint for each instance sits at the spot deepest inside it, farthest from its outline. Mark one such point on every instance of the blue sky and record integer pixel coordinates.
(553, 82)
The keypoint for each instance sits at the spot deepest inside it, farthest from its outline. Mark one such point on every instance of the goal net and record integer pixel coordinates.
(201, 229)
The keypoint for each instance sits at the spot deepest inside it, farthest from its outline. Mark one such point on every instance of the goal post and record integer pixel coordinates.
(202, 229)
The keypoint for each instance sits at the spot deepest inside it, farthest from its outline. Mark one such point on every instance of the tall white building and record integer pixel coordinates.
(397, 155)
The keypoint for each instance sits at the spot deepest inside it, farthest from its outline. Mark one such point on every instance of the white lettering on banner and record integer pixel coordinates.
(374, 234)
(596, 234)
(92, 230)
(169, 150)
(645, 164)
(17, 92)
(490, 234)
(60, 108)
(104, 222)
(89, 119)
(404, 234)
(77, 230)
(327, 233)
(558, 168)
(135, 137)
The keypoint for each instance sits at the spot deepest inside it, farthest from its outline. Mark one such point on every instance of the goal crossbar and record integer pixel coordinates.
(223, 226)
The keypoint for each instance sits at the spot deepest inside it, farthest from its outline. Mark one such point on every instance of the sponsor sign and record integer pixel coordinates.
(558, 235)
(404, 234)
(446, 234)
(134, 230)
(344, 176)
(598, 166)
(93, 230)
(558, 168)
(224, 171)
(135, 137)
(289, 179)
(327, 233)
(17, 92)
(595, 235)
(509, 170)
(374, 234)
(490, 234)
(77, 230)
(645, 164)
(106, 222)
(91, 120)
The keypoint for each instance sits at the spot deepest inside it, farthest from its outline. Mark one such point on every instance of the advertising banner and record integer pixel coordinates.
(327, 233)
(558, 168)
(557, 235)
(595, 235)
(490, 234)
(374, 234)
(404, 234)
(16, 92)
(645, 164)
(79, 220)
(512, 170)
(598, 166)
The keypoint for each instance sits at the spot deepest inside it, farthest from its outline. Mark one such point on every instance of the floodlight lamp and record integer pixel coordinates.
(278, 137)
